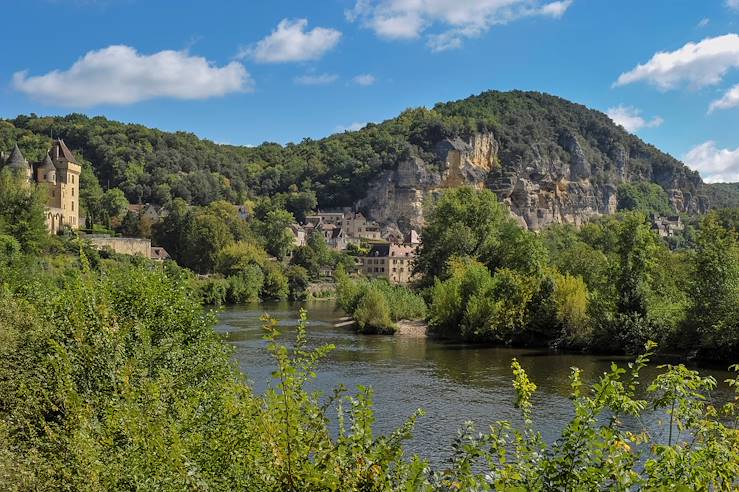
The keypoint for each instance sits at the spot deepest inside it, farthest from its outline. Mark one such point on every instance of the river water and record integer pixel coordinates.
(451, 382)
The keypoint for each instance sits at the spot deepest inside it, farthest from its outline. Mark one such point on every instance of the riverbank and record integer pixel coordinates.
(412, 328)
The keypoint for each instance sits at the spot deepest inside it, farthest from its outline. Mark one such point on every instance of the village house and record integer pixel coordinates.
(667, 226)
(148, 212)
(340, 228)
(59, 173)
(393, 262)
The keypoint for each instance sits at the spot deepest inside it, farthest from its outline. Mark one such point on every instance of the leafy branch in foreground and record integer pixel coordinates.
(595, 451)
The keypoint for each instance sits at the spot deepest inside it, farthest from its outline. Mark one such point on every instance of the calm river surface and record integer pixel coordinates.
(451, 382)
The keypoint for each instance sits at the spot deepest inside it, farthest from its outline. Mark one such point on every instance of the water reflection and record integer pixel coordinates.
(452, 382)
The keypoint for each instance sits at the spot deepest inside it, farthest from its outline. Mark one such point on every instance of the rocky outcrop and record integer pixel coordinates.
(546, 186)
(399, 197)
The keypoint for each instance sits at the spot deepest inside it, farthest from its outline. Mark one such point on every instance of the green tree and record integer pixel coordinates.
(276, 232)
(114, 203)
(713, 317)
(205, 242)
(22, 211)
(465, 222)
(645, 197)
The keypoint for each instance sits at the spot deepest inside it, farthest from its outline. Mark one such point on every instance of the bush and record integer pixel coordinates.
(373, 314)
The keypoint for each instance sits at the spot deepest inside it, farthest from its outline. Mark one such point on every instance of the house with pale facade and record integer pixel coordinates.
(393, 262)
(59, 173)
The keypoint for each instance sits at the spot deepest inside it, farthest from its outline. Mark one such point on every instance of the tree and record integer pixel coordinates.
(713, 317)
(171, 233)
(205, 241)
(637, 246)
(22, 211)
(465, 222)
(645, 197)
(277, 235)
(114, 203)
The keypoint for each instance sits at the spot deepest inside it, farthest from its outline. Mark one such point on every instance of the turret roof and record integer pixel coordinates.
(16, 158)
(47, 163)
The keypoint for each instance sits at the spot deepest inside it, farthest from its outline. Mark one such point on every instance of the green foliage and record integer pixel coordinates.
(713, 318)
(111, 378)
(375, 304)
(594, 451)
(645, 197)
(471, 223)
(22, 211)
(477, 305)
(151, 166)
(373, 313)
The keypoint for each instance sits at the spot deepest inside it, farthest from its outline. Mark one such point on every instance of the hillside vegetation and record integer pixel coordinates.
(150, 165)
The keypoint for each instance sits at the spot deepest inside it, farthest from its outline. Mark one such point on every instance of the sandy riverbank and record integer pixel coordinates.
(406, 328)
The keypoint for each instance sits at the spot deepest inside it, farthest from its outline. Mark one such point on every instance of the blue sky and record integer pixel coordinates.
(244, 72)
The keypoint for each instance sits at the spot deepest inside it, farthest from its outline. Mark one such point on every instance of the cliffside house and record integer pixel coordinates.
(393, 262)
(667, 226)
(59, 173)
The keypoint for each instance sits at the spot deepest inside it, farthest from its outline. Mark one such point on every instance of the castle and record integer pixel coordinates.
(59, 172)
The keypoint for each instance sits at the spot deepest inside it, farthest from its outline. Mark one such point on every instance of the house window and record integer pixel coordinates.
(72, 206)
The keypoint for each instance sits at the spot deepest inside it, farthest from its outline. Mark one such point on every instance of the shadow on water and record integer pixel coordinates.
(452, 382)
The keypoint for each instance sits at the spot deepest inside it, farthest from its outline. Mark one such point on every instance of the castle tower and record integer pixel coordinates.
(66, 191)
(46, 176)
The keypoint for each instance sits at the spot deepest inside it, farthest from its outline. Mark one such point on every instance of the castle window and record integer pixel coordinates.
(72, 206)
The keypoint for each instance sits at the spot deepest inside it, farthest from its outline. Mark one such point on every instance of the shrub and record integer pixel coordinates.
(373, 313)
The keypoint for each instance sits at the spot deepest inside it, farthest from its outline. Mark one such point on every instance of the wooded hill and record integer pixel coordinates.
(150, 165)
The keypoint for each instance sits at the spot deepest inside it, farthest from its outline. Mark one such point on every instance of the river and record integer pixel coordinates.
(451, 382)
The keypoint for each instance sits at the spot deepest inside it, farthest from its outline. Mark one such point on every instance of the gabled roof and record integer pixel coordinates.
(62, 152)
(16, 159)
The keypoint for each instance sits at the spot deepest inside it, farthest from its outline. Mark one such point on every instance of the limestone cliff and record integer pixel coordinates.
(540, 191)
(558, 173)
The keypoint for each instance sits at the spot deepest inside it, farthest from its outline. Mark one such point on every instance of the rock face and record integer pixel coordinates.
(569, 182)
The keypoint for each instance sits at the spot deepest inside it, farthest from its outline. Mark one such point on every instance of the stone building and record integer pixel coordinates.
(59, 173)
(341, 228)
(393, 262)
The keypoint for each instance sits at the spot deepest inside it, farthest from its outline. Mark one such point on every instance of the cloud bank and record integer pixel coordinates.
(715, 165)
(291, 41)
(696, 64)
(120, 75)
(457, 19)
(631, 119)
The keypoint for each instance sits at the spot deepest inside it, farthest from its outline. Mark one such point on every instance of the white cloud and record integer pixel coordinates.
(715, 165)
(458, 19)
(316, 79)
(120, 75)
(631, 119)
(729, 100)
(365, 79)
(291, 42)
(350, 128)
(704, 22)
(733, 4)
(697, 64)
